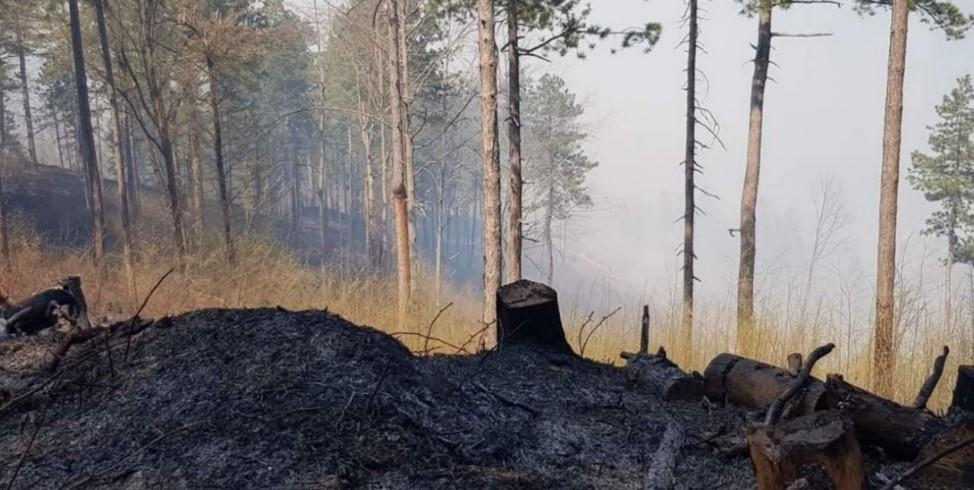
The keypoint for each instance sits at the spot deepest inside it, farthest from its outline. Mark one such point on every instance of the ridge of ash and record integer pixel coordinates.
(272, 399)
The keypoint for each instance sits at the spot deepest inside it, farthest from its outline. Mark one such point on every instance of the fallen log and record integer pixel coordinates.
(825, 438)
(962, 403)
(755, 384)
(663, 467)
(662, 377)
(527, 312)
(901, 431)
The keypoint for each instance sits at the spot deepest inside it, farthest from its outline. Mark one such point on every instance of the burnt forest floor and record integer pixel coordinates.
(274, 399)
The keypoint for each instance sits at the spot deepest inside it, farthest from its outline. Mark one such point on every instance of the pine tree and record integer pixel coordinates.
(555, 164)
(946, 175)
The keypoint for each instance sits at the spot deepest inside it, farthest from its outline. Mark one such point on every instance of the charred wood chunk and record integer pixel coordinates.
(824, 438)
(663, 377)
(901, 431)
(755, 384)
(527, 312)
(43, 311)
(962, 403)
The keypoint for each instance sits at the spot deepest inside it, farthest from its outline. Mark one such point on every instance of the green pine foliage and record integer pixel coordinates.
(946, 174)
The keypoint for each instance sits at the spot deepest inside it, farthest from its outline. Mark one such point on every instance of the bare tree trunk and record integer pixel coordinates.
(57, 129)
(549, 244)
(172, 191)
(399, 136)
(4, 227)
(3, 114)
(408, 150)
(196, 187)
(883, 355)
(491, 164)
(749, 197)
(121, 172)
(689, 172)
(514, 196)
(221, 173)
(132, 158)
(86, 142)
(25, 90)
(322, 204)
(438, 269)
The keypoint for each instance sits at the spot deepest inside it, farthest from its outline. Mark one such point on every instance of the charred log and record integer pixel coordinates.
(755, 384)
(901, 431)
(662, 377)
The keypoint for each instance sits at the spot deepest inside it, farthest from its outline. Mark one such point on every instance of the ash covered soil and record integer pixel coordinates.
(275, 399)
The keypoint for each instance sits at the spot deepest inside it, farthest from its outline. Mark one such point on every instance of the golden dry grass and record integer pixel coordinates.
(267, 275)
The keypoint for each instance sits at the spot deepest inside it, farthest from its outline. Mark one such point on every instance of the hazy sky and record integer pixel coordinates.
(823, 119)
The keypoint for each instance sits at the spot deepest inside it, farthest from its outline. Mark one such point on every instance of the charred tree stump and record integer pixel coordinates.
(825, 438)
(901, 431)
(527, 312)
(662, 377)
(962, 403)
(755, 384)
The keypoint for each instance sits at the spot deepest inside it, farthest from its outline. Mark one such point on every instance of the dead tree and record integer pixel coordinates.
(690, 169)
(827, 438)
(527, 312)
(901, 431)
(755, 384)
(644, 332)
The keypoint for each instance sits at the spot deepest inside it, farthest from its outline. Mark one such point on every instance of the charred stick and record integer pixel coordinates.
(774, 413)
(927, 462)
(931, 384)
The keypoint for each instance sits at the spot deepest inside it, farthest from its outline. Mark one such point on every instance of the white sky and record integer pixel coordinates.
(823, 118)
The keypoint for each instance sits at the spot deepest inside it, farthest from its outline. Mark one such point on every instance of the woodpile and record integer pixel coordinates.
(827, 422)
(806, 421)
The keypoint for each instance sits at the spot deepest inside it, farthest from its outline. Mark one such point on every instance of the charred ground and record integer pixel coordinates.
(275, 399)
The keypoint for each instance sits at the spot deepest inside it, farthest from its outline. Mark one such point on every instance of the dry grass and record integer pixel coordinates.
(266, 274)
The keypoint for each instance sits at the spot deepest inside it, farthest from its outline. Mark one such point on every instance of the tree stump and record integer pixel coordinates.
(825, 438)
(527, 312)
(662, 377)
(901, 431)
(755, 384)
(962, 403)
